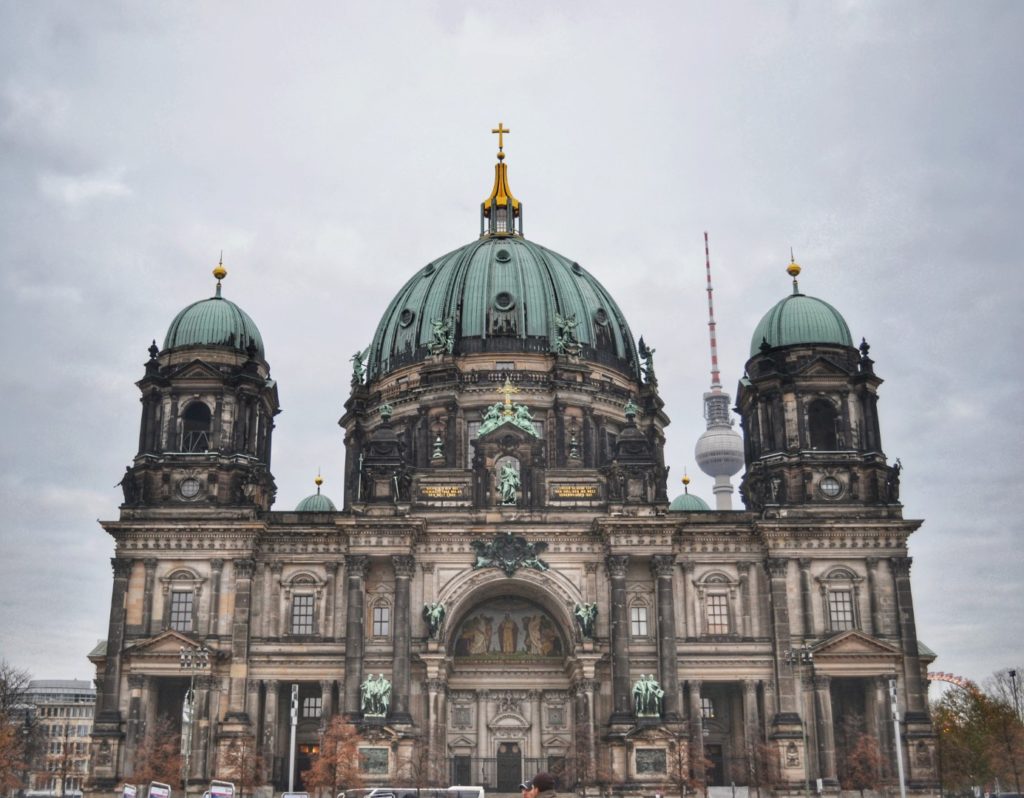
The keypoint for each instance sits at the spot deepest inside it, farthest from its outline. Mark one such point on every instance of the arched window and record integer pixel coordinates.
(380, 618)
(195, 428)
(840, 593)
(303, 592)
(181, 591)
(716, 595)
(822, 423)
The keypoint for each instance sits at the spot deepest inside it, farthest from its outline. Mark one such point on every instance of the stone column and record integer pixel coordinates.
(873, 602)
(240, 640)
(355, 569)
(109, 695)
(689, 625)
(275, 599)
(200, 728)
(326, 702)
(170, 436)
(481, 733)
(536, 708)
(696, 731)
(271, 721)
(916, 711)
(785, 694)
(147, 595)
(621, 709)
(825, 731)
(217, 567)
(751, 726)
(404, 565)
(807, 610)
(135, 731)
(746, 622)
(878, 707)
(586, 688)
(329, 599)
(663, 569)
(434, 718)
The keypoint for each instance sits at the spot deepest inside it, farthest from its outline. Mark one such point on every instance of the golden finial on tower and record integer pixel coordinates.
(686, 482)
(219, 271)
(507, 391)
(793, 269)
(501, 130)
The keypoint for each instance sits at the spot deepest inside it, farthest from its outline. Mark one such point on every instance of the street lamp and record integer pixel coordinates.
(798, 658)
(1013, 690)
(192, 660)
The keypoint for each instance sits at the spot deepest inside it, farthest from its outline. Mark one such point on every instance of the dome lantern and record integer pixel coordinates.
(499, 212)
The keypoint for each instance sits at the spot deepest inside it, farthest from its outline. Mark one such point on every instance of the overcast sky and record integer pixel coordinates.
(331, 149)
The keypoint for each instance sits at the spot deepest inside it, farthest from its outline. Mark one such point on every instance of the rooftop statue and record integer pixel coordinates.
(444, 337)
(566, 342)
(358, 361)
(509, 553)
(647, 355)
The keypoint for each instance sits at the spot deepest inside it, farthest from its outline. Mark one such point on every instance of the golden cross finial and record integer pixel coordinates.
(507, 391)
(501, 130)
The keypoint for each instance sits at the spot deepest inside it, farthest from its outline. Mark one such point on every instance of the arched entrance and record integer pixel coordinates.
(510, 711)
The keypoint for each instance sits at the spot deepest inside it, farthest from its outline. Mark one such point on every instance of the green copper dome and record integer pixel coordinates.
(316, 503)
(501, 294)
(800, 319)
(213, 322)
(688, 503)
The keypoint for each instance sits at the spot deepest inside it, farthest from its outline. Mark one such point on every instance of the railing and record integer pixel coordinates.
(484, 771)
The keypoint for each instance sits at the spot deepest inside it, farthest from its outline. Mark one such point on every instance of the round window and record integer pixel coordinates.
(189, 487)
(503, 256)
(601, 317)
(831, 487)
(504, 301)
(405, 317)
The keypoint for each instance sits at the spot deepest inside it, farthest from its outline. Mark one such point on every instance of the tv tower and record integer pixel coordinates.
(719, 450)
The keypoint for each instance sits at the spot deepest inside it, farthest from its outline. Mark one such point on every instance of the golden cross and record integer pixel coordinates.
(508, 390)
(501, 130)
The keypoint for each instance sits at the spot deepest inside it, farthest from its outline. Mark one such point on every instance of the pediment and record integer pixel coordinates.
(505, 432)
(462, 741)
(822, 366)
(556, 741)
(508, 720)
(165, 644)
(854, 644)
(196, 370)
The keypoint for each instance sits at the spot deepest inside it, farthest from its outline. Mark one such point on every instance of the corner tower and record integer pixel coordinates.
(808, 402)
(208, 405)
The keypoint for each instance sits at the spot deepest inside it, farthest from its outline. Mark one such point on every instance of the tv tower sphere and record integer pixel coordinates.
(719, 451)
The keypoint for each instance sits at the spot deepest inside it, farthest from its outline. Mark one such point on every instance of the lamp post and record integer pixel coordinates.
(798, 658)
(192, 660)
(1013, 690)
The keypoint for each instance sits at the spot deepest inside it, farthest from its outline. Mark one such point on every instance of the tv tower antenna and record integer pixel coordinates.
(719, 449)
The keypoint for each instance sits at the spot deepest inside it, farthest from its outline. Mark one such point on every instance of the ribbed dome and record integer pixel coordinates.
(719, 452)
(688, 503)
(800, 319)
(213, 322)
(501, 294)
(316, 503)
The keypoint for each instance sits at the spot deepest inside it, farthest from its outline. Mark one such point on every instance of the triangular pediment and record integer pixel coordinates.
(165, 644)
(556, 741)
(822, 366)
(462, 741)
(196, 370)
(854, 644)
(504, 430)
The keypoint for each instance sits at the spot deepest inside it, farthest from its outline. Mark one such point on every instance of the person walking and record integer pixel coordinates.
(540, 786)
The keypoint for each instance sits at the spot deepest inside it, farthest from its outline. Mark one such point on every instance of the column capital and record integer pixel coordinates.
(662, 565)
(901, 565)
(150, 563)
(617, 565)
(272, 684)
(217, 564)
(332, 567)
(357, 565)
(695, 684)
(687, 565)
(122, 567)
(427, 567)
(244, 568)
(276, 567)
(585, 686)
(590, 567)
(136, 681)
(404, 565)
(776, 567)
(871, 562)
(743, 566)
(805, 563)
(821, 681)
(436, 685)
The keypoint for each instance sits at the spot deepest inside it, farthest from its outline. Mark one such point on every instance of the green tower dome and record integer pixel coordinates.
(316, 503)
(214, 322)
(800, 319)
(688, 503)
(501, 294)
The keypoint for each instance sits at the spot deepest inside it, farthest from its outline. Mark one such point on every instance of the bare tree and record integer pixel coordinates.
(242, 765)
(15, 727)
(158, 758)
(337, 765)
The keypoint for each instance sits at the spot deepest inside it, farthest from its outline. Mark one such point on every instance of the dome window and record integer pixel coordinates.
(429, 270)
(503, 256)
(601, 317)
(504, 301)
(195, 428)
(406, 317)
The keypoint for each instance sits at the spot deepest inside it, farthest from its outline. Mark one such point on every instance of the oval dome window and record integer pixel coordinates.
(406, 317)
(503, 256)
(504, 301)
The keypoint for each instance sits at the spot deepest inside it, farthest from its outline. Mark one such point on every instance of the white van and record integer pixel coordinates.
(415, 792)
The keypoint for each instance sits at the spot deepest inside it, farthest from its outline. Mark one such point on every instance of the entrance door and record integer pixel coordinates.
(510, 767)
(716, 766)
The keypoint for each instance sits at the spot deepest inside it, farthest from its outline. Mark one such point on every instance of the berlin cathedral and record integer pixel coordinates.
(505, 585)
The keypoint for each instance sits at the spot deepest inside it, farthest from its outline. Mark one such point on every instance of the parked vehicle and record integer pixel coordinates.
(415, 792)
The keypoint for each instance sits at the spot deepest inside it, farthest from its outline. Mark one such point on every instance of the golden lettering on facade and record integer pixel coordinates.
(441, 491)
(574, 491)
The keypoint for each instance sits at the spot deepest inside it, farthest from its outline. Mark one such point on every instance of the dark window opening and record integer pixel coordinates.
(195, 428)
(822, 422)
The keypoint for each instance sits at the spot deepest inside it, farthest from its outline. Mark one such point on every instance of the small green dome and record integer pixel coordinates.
(317, 503)
(213, 322)
(501, 294)
(800, 319)
(688, 503)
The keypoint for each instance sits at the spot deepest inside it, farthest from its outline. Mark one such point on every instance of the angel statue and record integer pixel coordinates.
(358, 361)
(586, 616)
(443, 341)
(566, 342)
(647, 355)
(508, 484)
(433, 614)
